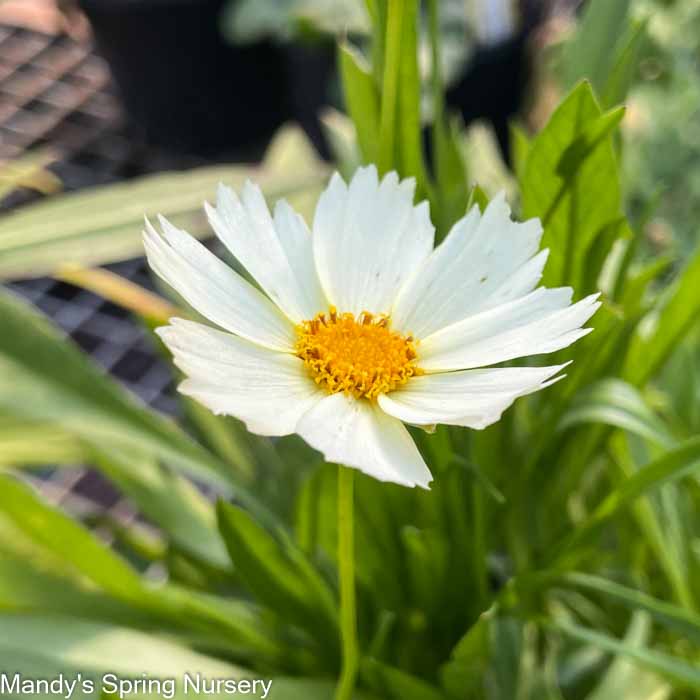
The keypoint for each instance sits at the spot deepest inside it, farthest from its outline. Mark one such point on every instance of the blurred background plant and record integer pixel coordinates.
(556, 555)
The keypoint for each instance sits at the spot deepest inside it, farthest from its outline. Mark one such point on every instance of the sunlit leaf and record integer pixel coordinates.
(120, 291)
(104, 224)
(616, 403)
(591, 53)
(26, 443)
(361, 99)
(94, 649)
(570, 180)
(29, 171)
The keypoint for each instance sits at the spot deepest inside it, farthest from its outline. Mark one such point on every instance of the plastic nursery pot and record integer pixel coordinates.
(182, 84)
(310, 71)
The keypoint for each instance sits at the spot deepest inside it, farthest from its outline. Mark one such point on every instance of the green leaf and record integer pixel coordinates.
(170, 501)
(32, 586)
(469, 660)
(629, 52)
(316, 512)
(361, 100)
(521, 144)
(37, 580)
(591, 53)
(380, 513)
(673, 464)
(570, 180)
(679, 310)
(449, 195)
(677, 619)
(617, 403)
(655, 515)
(58, 385)
(236, 624)
(507, 651)
(490, 661)
(600, 252)
(40, 646)
(91, 648)
(477, 197)
(27, 443)
(394, 684)
(636, 283)
(483, 480)
(389, 112)
(670, 667)
(427, 558)
(595, 132)
(68, 540)
(29, 171)
(103, 224)
(410, 142)
(95, 582)
(308, 689)
(279, 576)
(223, 435)
(623, 679)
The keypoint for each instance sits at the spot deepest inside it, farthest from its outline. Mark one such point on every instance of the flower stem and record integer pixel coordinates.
(346, 570)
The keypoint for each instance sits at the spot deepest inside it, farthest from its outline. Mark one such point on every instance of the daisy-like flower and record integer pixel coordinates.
(359, 326)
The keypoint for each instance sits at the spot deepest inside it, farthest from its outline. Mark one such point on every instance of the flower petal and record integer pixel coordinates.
(537, 323)
(473, 398)
(295, 237)
(484, 261)
(368, 239)
(269, 391)
(278, 254)
(357, 433)
(214, 290)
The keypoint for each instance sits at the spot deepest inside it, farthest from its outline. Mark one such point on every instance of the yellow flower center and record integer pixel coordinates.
(360, 356)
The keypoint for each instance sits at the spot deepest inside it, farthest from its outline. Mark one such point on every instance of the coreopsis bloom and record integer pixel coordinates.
(359, 325)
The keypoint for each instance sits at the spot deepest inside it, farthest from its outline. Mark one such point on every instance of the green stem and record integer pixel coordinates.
(346, 570)
(390, 87)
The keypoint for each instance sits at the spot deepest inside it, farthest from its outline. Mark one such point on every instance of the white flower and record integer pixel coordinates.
(360, 325)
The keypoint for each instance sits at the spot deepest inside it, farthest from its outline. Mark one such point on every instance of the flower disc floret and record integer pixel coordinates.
(359, 356)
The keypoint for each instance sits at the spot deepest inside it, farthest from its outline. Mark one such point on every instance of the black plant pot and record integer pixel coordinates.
(182, 84)
(310, 75)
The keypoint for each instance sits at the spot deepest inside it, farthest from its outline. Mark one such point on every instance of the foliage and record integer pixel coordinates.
(645, 52)
(662, 140)
(555, 556)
